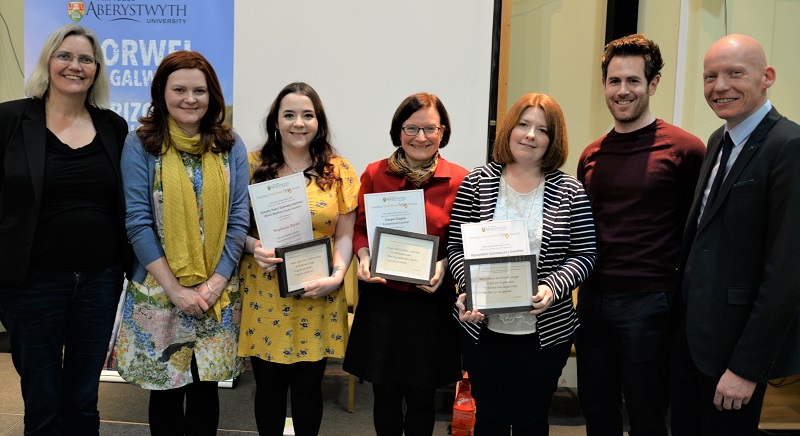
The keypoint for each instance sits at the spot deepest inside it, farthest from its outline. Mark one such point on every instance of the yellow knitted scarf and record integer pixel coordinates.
(193, 253)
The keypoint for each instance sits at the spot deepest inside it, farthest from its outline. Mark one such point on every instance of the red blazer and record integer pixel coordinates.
(440, 192)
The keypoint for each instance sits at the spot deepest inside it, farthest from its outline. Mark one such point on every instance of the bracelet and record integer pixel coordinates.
(211, 290)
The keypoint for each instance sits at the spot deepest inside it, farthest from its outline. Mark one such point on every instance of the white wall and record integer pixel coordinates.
(364, 58)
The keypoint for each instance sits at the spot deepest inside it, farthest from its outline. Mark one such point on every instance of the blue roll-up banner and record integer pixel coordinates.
(135, 36)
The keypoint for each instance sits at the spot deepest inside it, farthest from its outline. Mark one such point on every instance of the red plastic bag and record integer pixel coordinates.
(463, 409)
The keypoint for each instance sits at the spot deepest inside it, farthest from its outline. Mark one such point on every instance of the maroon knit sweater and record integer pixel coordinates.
(640, 186)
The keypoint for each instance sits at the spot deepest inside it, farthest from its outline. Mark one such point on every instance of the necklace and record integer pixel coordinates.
(290, 166)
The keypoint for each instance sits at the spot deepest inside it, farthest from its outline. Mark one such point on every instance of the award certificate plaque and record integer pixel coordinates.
(281, 211)
(404, 256)
(495, 239)
(399, 210)
(500, 284)
(302, 264)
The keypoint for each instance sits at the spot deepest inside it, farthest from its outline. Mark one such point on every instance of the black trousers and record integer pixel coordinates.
(623, 347)
(387, 414)
(273, 381)
(513, 382)
(59, 324)
(693, 411)
(200, 416)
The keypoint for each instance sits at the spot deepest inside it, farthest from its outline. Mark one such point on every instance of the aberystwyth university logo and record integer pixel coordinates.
(151, 11)
(76, 10)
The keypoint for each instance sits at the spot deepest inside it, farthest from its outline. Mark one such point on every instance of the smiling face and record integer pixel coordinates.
(297, 122)
(529, 140)
(420, 148)
(628, 93)
(72, 78)
(736, 78)
(187, 98)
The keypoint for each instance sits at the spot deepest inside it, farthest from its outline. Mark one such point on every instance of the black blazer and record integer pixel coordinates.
(22, 158)
(743, 293)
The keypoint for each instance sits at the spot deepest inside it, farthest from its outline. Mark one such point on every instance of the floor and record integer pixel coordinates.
(123, 408)
(781, 411)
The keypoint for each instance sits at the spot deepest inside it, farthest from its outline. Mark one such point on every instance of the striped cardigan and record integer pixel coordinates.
(568, 250)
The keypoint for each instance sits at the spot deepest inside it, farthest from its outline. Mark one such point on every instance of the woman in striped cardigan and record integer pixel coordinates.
(514, 359)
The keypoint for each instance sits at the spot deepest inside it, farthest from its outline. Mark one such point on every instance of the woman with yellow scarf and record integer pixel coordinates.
(185, 177)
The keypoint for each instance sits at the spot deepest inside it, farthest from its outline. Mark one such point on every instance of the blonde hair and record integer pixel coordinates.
(38, 84)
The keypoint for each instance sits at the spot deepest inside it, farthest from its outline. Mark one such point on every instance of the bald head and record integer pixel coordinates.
(743, 45)
(736, 78)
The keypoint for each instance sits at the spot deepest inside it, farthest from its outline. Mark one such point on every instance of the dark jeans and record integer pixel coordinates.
(59, 325)
(273, 381)
(693, 411)
(513, 382)
(388, 416)
(200, 417)
(622, 349)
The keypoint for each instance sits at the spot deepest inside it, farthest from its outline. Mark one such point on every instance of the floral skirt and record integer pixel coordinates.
(156, 341)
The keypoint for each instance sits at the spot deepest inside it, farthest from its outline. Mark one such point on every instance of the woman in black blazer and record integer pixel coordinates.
(61, 232)
(514, 359)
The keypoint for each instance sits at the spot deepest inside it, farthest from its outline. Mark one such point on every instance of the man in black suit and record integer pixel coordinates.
(741, 284)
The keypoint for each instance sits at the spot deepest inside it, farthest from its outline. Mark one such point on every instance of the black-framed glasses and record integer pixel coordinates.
(427, 130)
(66, 57)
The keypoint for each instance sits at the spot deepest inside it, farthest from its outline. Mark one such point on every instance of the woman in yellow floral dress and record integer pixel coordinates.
(289, 339)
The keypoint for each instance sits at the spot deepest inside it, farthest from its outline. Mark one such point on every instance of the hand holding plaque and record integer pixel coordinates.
(500, 284)
(404, 256)
(302, 264)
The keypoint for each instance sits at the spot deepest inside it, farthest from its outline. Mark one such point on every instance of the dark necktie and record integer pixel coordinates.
(727, 146)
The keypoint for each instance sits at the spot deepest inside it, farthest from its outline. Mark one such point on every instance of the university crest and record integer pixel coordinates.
(76, 10)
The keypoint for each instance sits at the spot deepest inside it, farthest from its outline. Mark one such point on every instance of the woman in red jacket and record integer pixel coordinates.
(404, 337)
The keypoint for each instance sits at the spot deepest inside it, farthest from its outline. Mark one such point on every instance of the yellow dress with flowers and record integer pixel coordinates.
(297, 329)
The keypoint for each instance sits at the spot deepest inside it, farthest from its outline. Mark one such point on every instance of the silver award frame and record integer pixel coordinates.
(500, 284)
(302, 264)
(404, 256)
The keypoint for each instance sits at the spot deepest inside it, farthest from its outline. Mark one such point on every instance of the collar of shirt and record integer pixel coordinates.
(741, 132)
(739, 135)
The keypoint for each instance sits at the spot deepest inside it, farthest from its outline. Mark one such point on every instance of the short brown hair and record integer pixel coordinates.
(557, 151)
(413, 103)
(634, 45)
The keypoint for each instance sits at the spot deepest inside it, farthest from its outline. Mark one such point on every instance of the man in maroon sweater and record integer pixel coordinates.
(640, 178)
